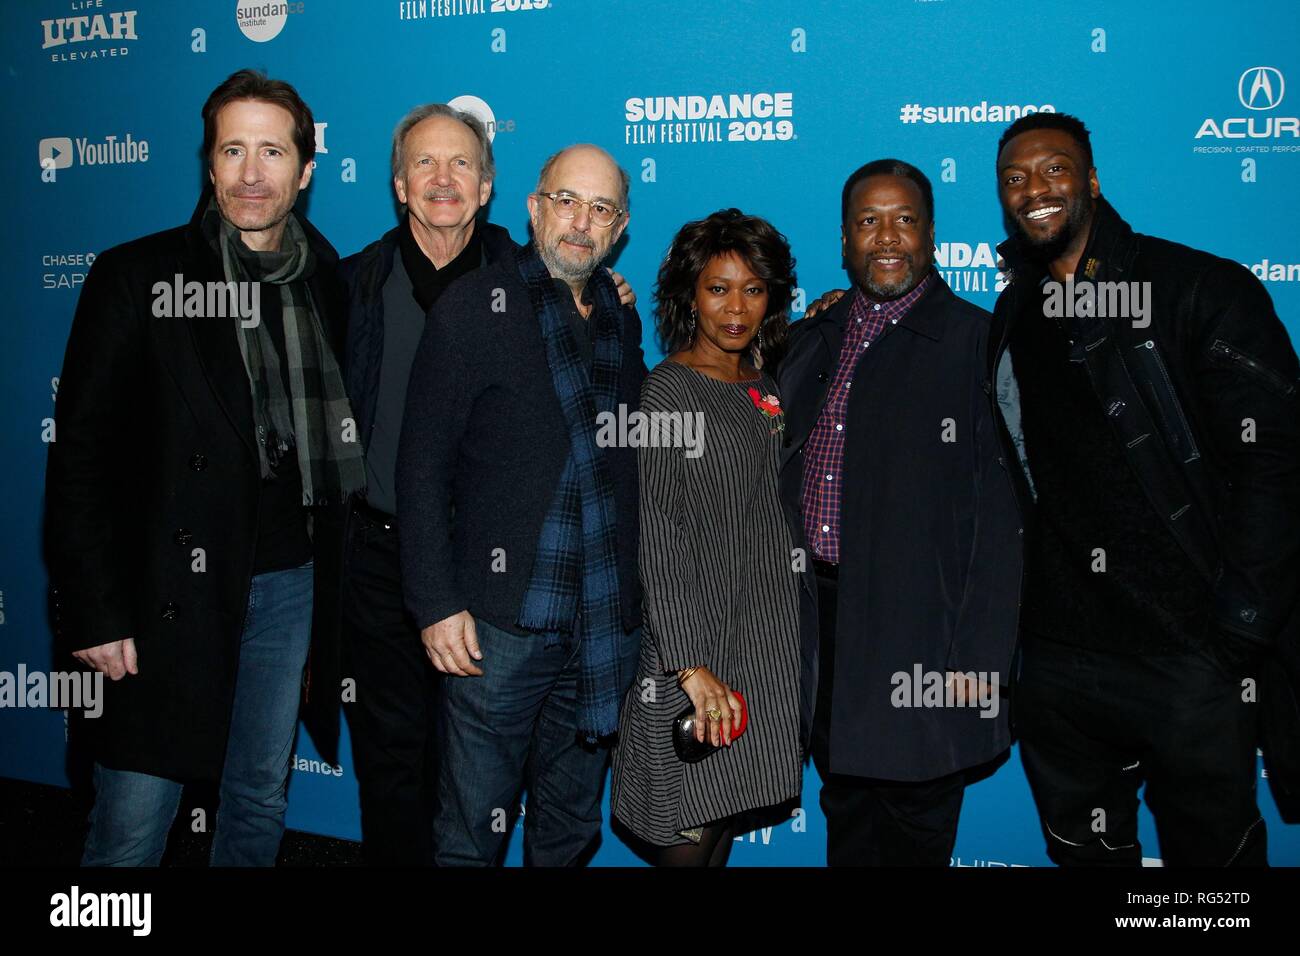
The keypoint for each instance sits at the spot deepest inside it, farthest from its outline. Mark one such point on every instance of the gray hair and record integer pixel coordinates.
(624, 181)
(487, 167)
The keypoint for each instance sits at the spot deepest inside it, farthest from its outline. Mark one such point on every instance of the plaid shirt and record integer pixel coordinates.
(823, 453)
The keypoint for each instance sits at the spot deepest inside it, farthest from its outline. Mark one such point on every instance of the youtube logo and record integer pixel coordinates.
(56, 152)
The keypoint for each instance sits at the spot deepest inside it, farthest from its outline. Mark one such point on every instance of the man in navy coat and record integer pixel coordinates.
(896, 465)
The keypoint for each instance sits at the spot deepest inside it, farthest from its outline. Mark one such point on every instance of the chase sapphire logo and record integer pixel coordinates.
(1261, 88)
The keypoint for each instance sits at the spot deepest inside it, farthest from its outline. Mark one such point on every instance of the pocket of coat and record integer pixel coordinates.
(1159, 389)
(1231, 357)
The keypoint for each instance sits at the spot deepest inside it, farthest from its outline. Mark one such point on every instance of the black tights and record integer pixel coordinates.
(712, 850)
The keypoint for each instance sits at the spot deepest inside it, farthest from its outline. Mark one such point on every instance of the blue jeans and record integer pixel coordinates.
(134, 811)
(514, 727)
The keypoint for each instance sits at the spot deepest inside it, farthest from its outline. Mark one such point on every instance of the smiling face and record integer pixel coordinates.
(255, 170)
(573, 248)
(441, 179)
(1048, 193)
(887, 237)
(730, 302)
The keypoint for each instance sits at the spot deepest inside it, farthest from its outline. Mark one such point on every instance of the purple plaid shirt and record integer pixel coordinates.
(823, 453)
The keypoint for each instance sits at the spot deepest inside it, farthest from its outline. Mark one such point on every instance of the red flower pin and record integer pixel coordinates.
(770, 406)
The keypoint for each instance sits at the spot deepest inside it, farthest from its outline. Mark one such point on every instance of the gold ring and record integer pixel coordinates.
(714, 714)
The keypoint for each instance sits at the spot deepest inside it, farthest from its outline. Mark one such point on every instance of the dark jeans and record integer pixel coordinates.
(134, 811)
(516, 727)
(392, 720)
(873, 822)
(1094, 726)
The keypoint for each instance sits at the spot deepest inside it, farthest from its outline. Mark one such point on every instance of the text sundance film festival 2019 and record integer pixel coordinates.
(766, 106)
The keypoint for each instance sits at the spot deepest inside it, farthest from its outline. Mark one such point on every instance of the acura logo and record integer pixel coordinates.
(1261, 88)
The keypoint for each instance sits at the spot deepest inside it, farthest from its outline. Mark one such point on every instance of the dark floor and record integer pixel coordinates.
(42, 825)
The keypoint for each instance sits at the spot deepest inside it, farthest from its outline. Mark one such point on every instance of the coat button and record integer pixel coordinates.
(988, 388)
(198, 462)
(169, 611)
(822, 376)
(183, 536)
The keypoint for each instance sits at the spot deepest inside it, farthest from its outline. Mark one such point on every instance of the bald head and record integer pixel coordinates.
(576, 235)
(584, 159)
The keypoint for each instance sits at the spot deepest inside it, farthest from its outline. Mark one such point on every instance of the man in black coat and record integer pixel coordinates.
(442, 174)
(519, 532)
(895, 464)
(202, 423)
(1161, 419)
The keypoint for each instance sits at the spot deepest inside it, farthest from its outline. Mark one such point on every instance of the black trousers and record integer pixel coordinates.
(1095, 726)
(392, 719)
(873, 822)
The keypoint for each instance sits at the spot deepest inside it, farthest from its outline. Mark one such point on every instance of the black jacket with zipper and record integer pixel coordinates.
(1211, 375)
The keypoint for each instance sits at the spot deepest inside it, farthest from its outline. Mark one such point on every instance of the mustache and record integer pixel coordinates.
(442, 192)
(1040, 203)
(578, 239)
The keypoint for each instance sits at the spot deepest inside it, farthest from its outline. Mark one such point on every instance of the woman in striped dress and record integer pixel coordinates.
(721, 593)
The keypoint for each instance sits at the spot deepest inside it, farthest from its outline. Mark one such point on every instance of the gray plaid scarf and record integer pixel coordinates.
(310, 419)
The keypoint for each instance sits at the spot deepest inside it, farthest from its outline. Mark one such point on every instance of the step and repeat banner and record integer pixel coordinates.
(766, 105)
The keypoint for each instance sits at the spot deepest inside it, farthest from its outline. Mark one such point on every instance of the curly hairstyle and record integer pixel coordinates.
(755, 241)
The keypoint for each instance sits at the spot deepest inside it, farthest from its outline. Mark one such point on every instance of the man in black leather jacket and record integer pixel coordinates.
(1161, 425)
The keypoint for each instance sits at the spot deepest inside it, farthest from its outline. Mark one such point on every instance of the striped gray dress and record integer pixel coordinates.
(720, 591)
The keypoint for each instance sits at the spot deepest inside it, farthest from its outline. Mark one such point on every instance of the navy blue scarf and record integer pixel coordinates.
(574, 586)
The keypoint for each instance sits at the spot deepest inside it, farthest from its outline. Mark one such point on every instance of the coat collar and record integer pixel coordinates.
(1112, 247)
(926, 317)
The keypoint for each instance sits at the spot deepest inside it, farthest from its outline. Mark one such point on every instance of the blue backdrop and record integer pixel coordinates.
(1195, 140)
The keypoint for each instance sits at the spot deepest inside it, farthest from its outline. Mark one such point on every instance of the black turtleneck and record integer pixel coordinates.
(412, 288)
(427, 281)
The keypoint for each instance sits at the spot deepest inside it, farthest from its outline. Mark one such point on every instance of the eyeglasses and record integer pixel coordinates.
(566, 207)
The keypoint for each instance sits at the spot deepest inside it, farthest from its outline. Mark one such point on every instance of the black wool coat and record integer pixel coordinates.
(154, 457)
(931, 542)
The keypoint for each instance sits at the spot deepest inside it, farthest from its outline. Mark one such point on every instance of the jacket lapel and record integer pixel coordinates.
(806, 375)
(216, 347)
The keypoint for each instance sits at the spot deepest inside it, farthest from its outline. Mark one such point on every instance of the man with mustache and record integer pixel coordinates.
(187, 493)
(519, 532)
(894, 464)
(1163, 442)
(443, 171)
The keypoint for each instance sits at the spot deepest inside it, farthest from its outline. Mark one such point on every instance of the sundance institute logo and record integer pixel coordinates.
(262, 21)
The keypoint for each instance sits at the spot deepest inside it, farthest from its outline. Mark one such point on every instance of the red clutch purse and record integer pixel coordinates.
(690, 750)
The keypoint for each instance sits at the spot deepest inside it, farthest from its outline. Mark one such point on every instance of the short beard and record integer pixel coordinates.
(564, 269)
(1045, 251)
(256, 226)
(900, 286)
